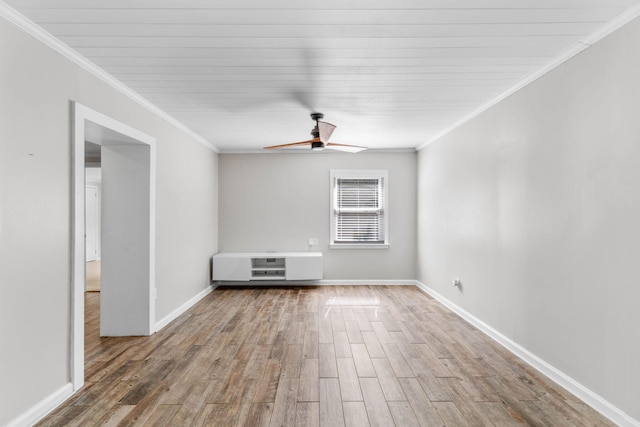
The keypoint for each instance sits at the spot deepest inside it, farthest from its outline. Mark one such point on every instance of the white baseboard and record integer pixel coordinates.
(184, 307)
(589, 397)
(319, 283)
(369, 282)
(42, 408)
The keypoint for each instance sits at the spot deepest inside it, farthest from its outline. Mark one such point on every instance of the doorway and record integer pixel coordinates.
(92, 229)
(127, 302)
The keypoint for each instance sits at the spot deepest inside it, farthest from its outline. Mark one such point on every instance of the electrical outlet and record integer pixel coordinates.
(313, 241)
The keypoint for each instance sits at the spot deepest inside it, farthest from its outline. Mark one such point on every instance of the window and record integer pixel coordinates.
(359, 209)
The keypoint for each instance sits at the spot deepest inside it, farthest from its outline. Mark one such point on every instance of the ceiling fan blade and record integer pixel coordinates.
(345, 147)
(293, 144)
(325, 130)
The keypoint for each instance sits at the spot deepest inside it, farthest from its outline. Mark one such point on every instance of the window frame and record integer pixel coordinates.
(335, 174)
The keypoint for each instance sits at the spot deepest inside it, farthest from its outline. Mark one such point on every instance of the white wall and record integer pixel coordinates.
(37, 87)
(125, 271)
(535, 205)
(276, 202)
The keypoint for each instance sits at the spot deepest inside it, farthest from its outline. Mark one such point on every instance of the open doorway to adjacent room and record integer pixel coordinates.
(113, 224)
(93, 193)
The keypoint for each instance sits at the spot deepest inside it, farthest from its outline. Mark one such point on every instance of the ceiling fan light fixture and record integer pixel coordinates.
(321, 133)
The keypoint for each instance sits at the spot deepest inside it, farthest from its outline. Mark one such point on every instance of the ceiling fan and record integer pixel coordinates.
(321, 134)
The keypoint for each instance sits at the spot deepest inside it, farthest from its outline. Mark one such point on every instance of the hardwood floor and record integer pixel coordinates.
(331, 356)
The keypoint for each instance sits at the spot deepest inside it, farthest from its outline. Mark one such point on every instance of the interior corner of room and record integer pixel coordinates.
(500, 171)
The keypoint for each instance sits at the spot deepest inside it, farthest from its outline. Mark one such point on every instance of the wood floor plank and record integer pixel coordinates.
(285, 406)
(404, 345)
(382, 333)
(292, 362)
(374, 401)
(464, 402)
(429, 383)
(362, 361)
(144, 407)
(226, 386)
(259, 414)
(353, 329)
(163, 414)
(325, 332)
(435, 364)
(331, 413)
(334, 355)
(268, 383)
(337, 320)
(420, 403)
(355, 414)
(363, 319)
(397, 360)
(295, 333)
(116, 417)
(342, 344)
(217, 415)
(388, 381)
(309, 385)
(308, 414)
(450, 414)
(390, 323)
(402, 414)
(373, 344)
(348, 378)
(310, 345)
(257, 362)
(192, 403)
(414, 336)
(327, 361)
(495, 413)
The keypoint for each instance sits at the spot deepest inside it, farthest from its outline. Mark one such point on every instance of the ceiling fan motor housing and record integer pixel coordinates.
(315, 132)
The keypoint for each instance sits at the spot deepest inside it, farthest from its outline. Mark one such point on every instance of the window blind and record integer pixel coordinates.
(359, 210)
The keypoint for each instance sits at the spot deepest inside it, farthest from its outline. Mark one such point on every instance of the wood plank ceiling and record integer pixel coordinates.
(389, 73)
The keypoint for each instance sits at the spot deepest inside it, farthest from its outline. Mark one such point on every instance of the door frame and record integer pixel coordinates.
(80, 114)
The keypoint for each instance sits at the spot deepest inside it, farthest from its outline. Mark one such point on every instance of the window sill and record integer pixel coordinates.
(359, 246)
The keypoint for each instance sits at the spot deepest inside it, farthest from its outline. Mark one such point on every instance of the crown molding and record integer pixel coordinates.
(31, 28)
(584, 43)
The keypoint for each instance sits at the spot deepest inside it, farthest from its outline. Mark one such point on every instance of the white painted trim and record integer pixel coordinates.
(611, 26)
(589, 397)
(80, 113)
(334, 176)
(153, 291)
(184, 307)
(359, 245)
(48, 39)
(369, 282)
(318, 283)
(42, 408)
(78, 265)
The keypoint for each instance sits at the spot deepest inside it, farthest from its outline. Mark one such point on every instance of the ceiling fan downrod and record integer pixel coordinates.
(315, 132)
